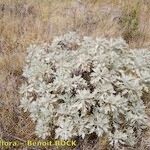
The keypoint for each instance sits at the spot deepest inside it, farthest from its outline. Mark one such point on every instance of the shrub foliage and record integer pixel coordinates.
(77, 85)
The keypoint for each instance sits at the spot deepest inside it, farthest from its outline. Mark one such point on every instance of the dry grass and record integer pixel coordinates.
(23, 22)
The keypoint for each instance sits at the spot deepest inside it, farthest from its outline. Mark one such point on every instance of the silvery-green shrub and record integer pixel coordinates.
(78, 85)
